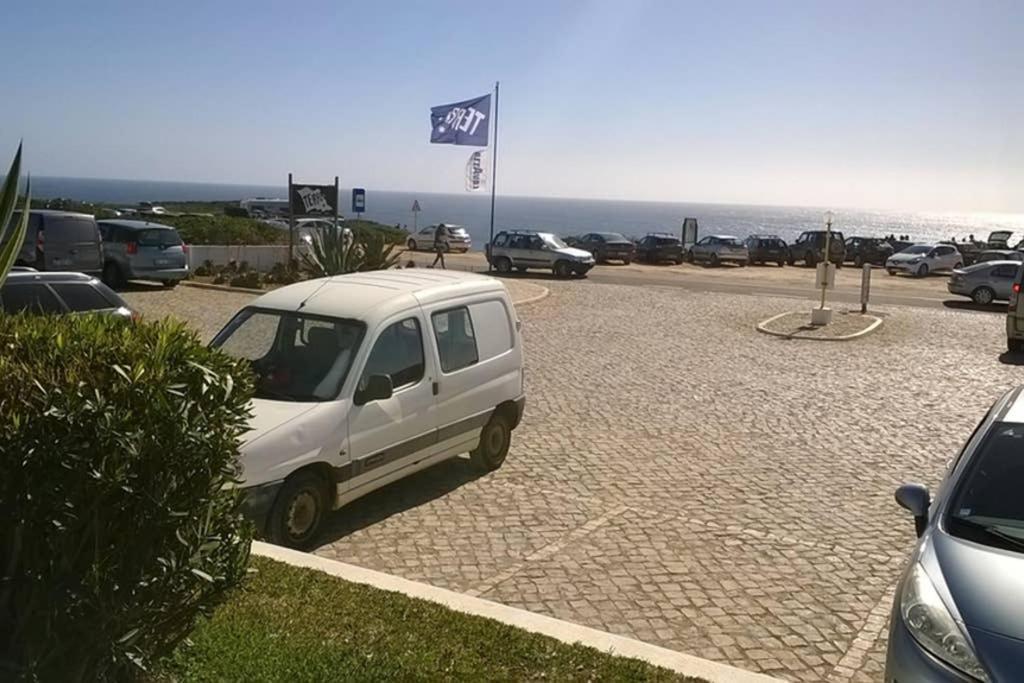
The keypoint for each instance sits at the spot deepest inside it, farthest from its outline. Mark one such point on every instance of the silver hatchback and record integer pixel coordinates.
(985, 282)
(140, 250)
(958, 613)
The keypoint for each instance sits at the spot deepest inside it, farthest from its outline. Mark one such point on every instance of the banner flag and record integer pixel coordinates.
(476, 177)
(461, 123)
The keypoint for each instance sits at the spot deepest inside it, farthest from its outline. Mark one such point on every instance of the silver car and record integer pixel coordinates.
(1000, 255)
(921, 259)
(523, 249)
(958, 613)
(718, 249)
(140, 250)
(985, 282)
(455, 238)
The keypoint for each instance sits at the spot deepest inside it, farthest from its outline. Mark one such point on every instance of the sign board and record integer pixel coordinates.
(313, 200)
(415, 205)
(358, 200)
(825, 276)
(689, 231)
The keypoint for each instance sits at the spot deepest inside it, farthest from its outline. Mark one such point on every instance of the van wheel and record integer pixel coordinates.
(1014, 345)
(503, 265)
(494, 442)
(983, 296)
(299, 511)
(412, 245)
(922, 270)
(112, 276)
(562, 269)
(782, 263)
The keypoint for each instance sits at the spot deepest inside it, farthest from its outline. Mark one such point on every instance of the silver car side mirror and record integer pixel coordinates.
(916, 499)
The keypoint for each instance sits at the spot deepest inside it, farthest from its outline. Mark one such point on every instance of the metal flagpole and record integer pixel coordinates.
(494, 171)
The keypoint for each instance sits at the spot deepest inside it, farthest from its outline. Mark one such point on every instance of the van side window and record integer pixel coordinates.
(495, 328)
(501, 240)
(456, 341)
(397, 353)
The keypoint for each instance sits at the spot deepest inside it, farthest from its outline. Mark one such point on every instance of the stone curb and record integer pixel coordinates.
(564, 631)
(533, 299)
(761, 327)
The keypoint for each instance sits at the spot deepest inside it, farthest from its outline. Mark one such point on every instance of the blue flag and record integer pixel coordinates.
(461, 123)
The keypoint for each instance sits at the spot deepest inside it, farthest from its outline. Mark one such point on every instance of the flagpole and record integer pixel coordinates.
(494, 171)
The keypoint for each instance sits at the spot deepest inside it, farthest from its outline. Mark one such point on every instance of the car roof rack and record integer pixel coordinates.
(662, 234)
(522, 232)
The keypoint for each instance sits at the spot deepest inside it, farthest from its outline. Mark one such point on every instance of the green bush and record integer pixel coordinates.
(224, 230)
(118, 445)
(246, 278)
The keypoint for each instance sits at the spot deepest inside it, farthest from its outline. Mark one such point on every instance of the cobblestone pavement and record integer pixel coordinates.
(683, 479)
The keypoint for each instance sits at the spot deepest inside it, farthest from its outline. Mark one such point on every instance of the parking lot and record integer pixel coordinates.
(682, 479)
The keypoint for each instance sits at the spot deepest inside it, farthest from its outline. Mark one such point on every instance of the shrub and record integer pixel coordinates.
(216, 229)
(334, 253)
(246, 278)
(118, 445)
(283, 274)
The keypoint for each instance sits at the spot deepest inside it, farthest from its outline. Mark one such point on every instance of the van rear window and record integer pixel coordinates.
(159, 237)
(71, 229)
(494, 336)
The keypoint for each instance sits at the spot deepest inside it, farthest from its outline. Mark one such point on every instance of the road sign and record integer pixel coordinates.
(358, 200)
(415, 205)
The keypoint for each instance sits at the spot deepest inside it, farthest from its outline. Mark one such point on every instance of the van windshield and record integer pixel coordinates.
(295, 357)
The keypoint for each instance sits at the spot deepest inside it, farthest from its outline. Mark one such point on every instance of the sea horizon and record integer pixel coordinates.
(562, 215)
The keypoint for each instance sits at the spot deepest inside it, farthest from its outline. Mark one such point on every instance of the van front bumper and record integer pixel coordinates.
(257, 502)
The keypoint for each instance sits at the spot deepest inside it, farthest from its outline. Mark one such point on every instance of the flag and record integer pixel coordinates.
(476, 178)
(461, 123)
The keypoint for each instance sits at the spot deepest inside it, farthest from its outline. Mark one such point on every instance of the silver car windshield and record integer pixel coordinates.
(988, 506)
(553, 240)
(917, 249)
(294, 357)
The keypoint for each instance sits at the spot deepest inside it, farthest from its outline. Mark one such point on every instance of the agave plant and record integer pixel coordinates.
(12, 235)
(336, 252)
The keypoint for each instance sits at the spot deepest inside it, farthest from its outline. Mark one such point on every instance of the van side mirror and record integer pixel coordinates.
(377, 388)
(916, 499)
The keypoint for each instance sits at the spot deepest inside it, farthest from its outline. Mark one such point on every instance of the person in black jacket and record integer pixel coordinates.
(439, 235)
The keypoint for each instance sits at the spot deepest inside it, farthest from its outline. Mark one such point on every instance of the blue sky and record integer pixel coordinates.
(868, 104)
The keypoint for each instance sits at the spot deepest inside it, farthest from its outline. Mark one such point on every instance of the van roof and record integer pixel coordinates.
(55, 212)
(377, 294)
(134, 225)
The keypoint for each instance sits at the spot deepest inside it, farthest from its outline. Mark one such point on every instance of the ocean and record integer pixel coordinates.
(561, 216)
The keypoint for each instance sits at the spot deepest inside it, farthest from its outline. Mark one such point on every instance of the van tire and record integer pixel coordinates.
(562, 269)
(411, 244)
(495, 439)
(299, 511)
(112, 275)
(503, 265)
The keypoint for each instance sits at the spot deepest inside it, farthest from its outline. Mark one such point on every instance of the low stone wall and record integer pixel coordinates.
(260, 258)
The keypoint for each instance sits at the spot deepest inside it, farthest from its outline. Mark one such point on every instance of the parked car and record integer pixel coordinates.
(61, 241)
(364, 379)
(455, 238)
(605, 246)
(718, 249)
(985, 282)
(921, 259)
(658, 248)
(1000, 255)
(809, 247)
(767, 249)
(1015, 316)
(28, 291)
(873, 250)
(523, 249)
(140, 250)
(958, 612)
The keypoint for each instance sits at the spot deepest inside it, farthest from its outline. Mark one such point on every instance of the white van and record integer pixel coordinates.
(364, 379)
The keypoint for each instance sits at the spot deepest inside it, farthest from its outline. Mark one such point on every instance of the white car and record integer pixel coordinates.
(366, 378)
(921, 259)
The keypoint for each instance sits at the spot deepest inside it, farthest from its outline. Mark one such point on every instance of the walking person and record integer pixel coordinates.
(439, 246)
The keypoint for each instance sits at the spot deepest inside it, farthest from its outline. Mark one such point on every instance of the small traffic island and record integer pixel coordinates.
(844, 326)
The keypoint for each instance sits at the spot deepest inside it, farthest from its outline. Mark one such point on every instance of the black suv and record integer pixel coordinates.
(605, 246)
(28, 291)
(658, 248)
(810, 248)
(863, 250)
(767, 249)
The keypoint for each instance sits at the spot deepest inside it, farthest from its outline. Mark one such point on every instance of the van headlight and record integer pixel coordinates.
(933, 627)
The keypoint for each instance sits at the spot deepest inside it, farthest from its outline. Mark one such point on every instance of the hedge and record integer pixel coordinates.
(118, 448)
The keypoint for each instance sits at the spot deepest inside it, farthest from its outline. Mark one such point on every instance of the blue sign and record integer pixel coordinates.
(358, 200)
(461, 123)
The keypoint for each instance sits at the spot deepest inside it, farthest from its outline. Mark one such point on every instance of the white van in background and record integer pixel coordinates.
(366, 378)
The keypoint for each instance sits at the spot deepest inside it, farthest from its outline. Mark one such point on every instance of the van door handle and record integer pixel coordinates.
(436, 387)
